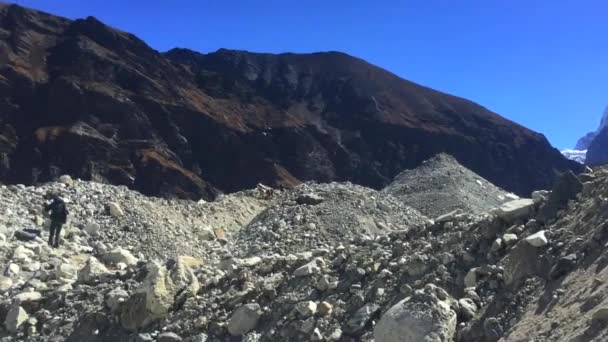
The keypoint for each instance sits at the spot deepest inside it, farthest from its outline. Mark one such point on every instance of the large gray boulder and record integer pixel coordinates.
(523, 262)
(92, 271)
(538, 239)
(152, 300)
(160, 291)
(115, 210)
(244, 319)
(517, 209)
(565, 189)
(421, 317)
(119, 255)
(15, 318)
(169, 337)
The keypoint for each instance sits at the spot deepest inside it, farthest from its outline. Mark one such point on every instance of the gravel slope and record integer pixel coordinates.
(441, 185)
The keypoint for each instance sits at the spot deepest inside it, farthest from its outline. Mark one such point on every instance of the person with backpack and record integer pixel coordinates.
(59, 215)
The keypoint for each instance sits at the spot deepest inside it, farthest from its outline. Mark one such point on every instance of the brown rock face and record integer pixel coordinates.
(82, 98)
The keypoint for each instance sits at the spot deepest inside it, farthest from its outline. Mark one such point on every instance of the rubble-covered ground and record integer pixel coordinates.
(343, 211)
(441, 185)
(321, 262)
(153, 227)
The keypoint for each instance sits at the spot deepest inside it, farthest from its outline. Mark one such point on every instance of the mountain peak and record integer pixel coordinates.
(589, 145)
(604, 120)
(185, 123)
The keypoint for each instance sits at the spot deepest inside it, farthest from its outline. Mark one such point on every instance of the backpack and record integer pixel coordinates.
(59, 211)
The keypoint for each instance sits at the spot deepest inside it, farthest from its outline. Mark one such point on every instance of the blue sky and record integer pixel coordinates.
(542, 63)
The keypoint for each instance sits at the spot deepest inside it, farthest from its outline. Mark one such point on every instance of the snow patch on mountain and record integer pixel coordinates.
(576, 155)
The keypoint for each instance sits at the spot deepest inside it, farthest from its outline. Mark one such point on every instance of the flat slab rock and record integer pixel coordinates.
(309, 198)
(517, 209)
(537, 239)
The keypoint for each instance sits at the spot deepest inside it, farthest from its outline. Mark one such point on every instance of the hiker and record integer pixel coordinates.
(59, 215)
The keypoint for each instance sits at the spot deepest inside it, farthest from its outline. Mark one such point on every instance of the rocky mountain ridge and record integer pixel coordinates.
(81, 98)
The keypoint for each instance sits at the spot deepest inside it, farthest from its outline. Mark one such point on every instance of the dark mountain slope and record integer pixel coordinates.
(597, 153)
(82, 98)
(378, 122)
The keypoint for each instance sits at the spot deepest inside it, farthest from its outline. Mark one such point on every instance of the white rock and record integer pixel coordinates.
(5, 283)
(65, 288)
(417, 318)
(313, 267)
(538, 239)
(15, 318)
(66, 179)
(323, 283)
(182, 273)
(152, 300)
(448, 217)
(540, 195)
(509, 239)
(250, 262)
(12, 270)
(67, 271)
(468, 308)
(496, 245)
(316, 335)
(119, 255)
(325, 308)
(28, 296)
(115, 209)
(244, 319)
(326, 282)
(41, 287)
(511, 196)
(335, 335)
(307, 308)
(22, 254)
(32, 266)
(92, 270)
(206, 233)
(92, 228)
(517, 209)
(470, 280)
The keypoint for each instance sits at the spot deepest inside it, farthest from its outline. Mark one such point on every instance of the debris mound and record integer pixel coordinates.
(314, 216)
(441, 185)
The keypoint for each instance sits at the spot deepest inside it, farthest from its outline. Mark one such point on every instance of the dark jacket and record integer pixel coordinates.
(58, 209)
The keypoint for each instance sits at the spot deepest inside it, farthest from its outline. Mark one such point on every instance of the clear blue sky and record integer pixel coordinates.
(542, 63)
